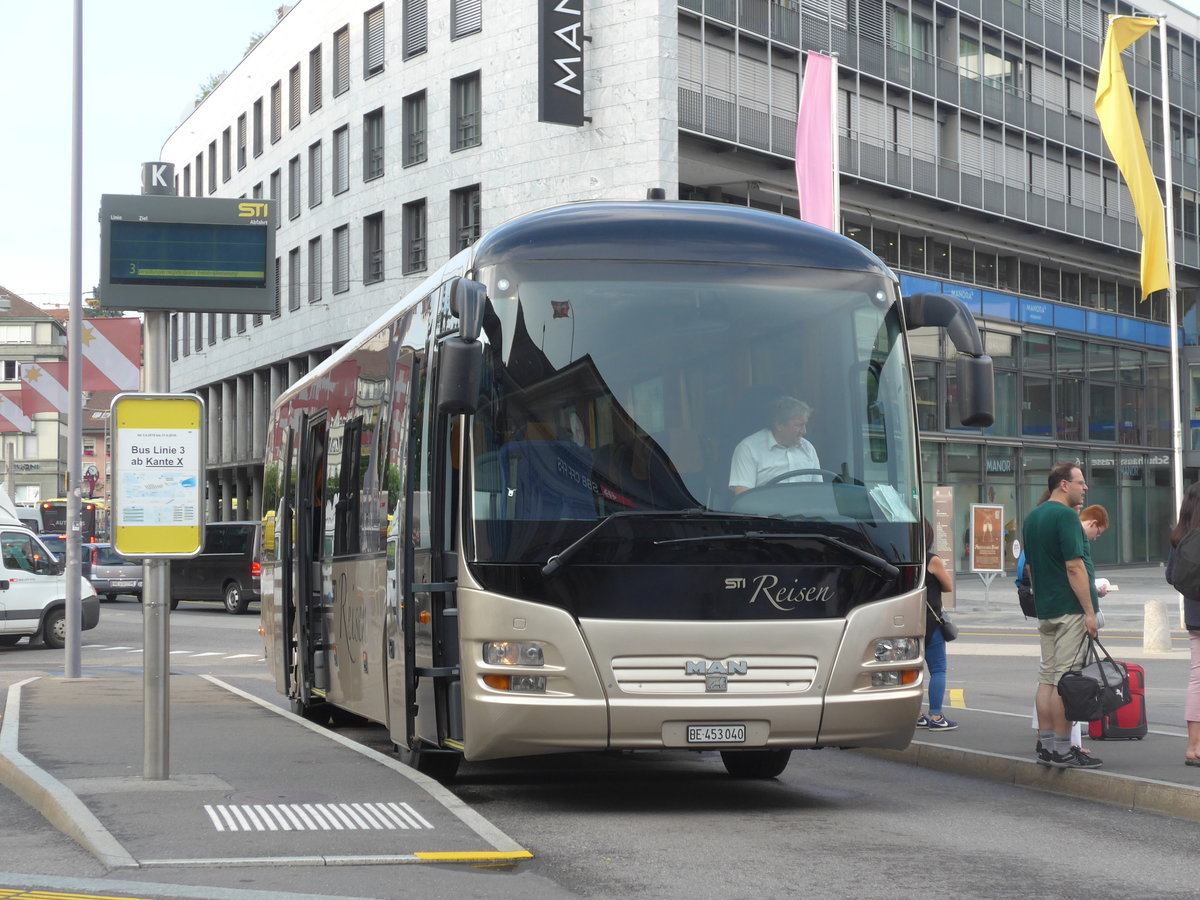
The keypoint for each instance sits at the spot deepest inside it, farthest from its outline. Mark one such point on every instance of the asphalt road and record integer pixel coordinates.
(667, 825)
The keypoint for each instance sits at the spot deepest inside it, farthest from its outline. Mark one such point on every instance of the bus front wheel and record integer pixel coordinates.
(755, 763)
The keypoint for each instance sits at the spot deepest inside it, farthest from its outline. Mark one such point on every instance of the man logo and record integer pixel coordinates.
(252, 210)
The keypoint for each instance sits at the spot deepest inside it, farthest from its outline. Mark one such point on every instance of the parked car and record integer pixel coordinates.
(227, 569)
(109, 572)
(33, 590)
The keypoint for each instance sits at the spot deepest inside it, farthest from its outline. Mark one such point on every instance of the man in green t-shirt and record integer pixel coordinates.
(1060, 563)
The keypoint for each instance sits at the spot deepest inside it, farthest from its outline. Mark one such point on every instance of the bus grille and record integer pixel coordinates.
(670, 674)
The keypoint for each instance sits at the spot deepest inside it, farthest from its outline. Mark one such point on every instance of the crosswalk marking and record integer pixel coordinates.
(315, 817)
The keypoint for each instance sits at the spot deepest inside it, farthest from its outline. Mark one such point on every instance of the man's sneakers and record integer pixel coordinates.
(1074, 758)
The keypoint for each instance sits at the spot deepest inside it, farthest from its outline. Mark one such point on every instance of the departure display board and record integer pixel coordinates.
(188, 254)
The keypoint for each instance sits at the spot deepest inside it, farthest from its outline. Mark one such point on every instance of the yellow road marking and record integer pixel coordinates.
(470, 856)
(9, 894)
(956, 698)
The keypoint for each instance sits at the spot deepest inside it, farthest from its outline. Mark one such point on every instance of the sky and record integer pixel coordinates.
(143, 64)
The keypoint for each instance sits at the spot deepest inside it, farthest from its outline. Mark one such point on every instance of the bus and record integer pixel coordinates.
(501, 521)
(93, 518)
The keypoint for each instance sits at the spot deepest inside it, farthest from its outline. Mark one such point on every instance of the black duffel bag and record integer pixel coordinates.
(1098, 687)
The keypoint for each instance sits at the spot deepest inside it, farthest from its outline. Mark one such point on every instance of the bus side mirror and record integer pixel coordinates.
(976, 390)
(975, 380)
(460, 367)
(468, 299)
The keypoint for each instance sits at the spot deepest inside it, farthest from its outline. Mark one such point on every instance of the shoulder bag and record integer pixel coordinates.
(949, 629)
(1099, 686)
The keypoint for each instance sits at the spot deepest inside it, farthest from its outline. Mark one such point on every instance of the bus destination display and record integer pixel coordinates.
(188, 254)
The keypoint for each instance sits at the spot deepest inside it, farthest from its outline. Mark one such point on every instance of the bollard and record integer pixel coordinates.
(1156, 634)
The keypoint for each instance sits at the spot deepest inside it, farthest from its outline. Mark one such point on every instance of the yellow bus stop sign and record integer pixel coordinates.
(158, 475)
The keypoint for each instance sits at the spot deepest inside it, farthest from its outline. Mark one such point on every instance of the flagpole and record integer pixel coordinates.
(836, 149)
(1169, 210)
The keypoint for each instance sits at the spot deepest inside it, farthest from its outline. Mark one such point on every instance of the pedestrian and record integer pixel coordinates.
(1066, 600)
(1189, 519)
(937, 580)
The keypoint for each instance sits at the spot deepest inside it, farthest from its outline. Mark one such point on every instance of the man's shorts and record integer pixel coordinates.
(1062, 646)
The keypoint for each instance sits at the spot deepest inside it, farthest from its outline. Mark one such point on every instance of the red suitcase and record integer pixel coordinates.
(1129, 721)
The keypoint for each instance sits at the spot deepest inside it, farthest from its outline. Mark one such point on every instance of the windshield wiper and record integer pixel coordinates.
(560, 559)
(878, 563)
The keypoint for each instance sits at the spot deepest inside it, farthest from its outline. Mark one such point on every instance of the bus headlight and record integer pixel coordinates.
(513, 653)
(895, 678)
(897, 649)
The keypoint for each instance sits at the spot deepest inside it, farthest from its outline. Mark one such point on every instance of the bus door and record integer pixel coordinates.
(284, 624)
(311, 673)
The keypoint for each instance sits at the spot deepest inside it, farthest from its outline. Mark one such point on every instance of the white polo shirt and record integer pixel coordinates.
(759, 458)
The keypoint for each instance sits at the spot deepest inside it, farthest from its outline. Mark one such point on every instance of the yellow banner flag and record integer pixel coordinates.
(1118, 121)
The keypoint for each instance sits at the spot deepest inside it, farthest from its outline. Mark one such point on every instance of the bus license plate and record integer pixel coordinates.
(716, 734)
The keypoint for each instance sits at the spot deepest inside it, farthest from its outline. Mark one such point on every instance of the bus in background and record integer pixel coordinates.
(501, 522)
(93, 518)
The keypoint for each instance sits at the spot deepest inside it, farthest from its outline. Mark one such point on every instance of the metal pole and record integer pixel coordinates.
(74, 619)
(156, 589)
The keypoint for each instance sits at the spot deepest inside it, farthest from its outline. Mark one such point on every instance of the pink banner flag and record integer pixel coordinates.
(815, 168)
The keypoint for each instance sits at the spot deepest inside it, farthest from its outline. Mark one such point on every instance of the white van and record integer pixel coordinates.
(33, 587)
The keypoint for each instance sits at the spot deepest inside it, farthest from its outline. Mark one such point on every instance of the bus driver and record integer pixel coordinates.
(777, 449)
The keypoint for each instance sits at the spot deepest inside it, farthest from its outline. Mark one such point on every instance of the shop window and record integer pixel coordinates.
(1102, 412)
(1036, 408)
(1068, 409)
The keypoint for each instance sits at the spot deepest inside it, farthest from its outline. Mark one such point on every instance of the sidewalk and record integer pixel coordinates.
(250, 784)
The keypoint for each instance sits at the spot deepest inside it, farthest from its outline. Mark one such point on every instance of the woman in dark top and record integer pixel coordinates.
(1189, 519)
(937, 580)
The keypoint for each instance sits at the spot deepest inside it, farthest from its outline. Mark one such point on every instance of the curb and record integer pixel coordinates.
(49, 796)
(1140, 794)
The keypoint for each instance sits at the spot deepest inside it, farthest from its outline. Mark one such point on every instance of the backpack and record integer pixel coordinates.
(1185, 568)
(1025, 589)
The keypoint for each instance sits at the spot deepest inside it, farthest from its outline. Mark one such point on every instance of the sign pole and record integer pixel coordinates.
(156, 573)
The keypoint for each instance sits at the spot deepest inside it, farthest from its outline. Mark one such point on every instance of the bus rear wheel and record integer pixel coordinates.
(755, 763)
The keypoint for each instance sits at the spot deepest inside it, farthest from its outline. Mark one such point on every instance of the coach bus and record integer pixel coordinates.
(501, 523)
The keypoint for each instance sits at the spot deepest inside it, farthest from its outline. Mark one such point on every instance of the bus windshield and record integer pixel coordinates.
(675, 409)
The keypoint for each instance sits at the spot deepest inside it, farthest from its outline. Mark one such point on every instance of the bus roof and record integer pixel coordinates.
(662, 230)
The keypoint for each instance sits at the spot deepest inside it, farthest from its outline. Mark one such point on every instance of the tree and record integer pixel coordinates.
(210, 85)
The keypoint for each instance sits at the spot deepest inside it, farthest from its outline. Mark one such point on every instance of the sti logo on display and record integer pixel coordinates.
(560, 62)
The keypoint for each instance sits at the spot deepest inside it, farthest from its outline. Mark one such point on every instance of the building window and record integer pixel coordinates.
(199, 174)
(464, 209)
(414, 237)
(241, 147)
(415, 149)
(293, 187)
(277, 311)
(257, 191)
(416, 27)
(373, 248)
(341, 60)
(276, 112)
(241, 318)
(314, 174)
(314, 79)
(212, 167)
(185, 339)
(464, 112)
(341, 159)
(373, 45)
(225, 317)
(198, 332)
(294, 96)
(174, 337)
(212, 328)
(187, 180)
(16, 334)
(341, 259)
(466, 17)
(314, 270)
(373, 144)
(226, 155)
(276, 184)
(294, 278)
(258, 127)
